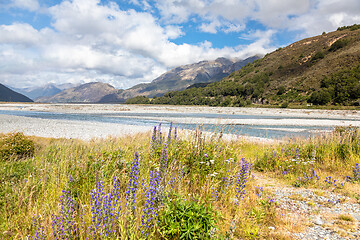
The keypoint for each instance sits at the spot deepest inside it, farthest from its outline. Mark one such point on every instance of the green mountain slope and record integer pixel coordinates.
(8, 95)
(318, 70)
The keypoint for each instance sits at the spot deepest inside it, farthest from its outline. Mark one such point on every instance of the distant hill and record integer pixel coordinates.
(85, 93)
(182, 77)
(319, 70)
(8, 95)
(47, 90)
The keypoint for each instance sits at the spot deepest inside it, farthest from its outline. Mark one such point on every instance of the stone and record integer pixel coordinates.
(318, 221)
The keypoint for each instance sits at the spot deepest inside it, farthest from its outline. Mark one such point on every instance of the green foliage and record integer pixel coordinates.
(281, 90)
(138, 100)
(15, 145)
(338, 44)
(284, 105)
(321, 97)
(340, 149)
(343, 88)
(317, 56)
(187, 219)
(351, 28)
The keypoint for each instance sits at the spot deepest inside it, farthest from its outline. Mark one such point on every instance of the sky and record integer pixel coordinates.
(126, 42)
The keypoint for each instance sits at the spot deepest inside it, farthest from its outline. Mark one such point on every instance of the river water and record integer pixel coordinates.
(184, 120)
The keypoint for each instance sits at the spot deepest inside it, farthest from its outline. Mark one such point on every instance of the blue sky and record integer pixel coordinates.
(128, 42)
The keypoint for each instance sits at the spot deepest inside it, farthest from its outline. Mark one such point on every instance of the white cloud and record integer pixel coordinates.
(91, 41)
(312, 17)
(31, 5)
(18, 33)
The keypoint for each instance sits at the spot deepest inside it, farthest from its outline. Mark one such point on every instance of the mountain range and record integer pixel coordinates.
(86, 93)
(44, 91)
(320, 70)
(178, 78)
(185, 76)
(8, 95)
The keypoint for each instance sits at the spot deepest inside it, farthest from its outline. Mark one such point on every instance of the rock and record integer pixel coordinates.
(318, 221)
(356, 216)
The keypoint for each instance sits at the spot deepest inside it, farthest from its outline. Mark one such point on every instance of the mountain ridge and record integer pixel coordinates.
(8, 95)
(86, 93)
(319, 70)
(181, 77)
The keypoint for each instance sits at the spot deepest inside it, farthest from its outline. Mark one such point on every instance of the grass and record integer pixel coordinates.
(164, 186)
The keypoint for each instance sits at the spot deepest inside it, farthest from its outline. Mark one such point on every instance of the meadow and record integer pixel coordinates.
(164, 184)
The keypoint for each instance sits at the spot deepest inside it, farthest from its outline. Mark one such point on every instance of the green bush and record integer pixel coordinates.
(182, 219)
(321, 97)
(15, 145)
(138, 100)
(318, 55)
(338, 44)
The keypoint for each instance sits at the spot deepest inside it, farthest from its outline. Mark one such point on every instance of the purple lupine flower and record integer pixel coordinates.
(356, 172)
(175, 134)
(105, 209)
(160, 137)
(64, 224)
(214, 194)
(151, 203)
(241, 180)
(169, 135)
(133, 184)
(154, 140)
(39, 229)
(259, 191)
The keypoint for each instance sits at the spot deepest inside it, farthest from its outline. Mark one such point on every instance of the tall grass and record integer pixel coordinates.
(158, 185)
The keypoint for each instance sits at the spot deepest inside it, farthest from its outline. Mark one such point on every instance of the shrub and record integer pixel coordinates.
(15, 145)
(338, 44)
(318, 55)
(281, 90)
(322, 97)
(182, 219)
(284, 105)
(138, 100)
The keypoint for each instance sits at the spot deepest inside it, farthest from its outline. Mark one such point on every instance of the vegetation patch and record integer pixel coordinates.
(15, 146)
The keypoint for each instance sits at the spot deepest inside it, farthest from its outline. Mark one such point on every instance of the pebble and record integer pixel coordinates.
(306, 203)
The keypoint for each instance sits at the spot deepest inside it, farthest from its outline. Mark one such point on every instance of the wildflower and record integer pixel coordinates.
(169, 135)
(214, 194)
(39, 229)
(241, 180)
(64, 224)
(151, 202)
(133, 183)
(259, 191)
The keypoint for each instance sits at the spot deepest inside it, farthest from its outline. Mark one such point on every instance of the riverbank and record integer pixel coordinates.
(64, 128)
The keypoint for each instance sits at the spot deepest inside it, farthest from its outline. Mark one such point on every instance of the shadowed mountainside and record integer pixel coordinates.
(88, 93)
(8, 95)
